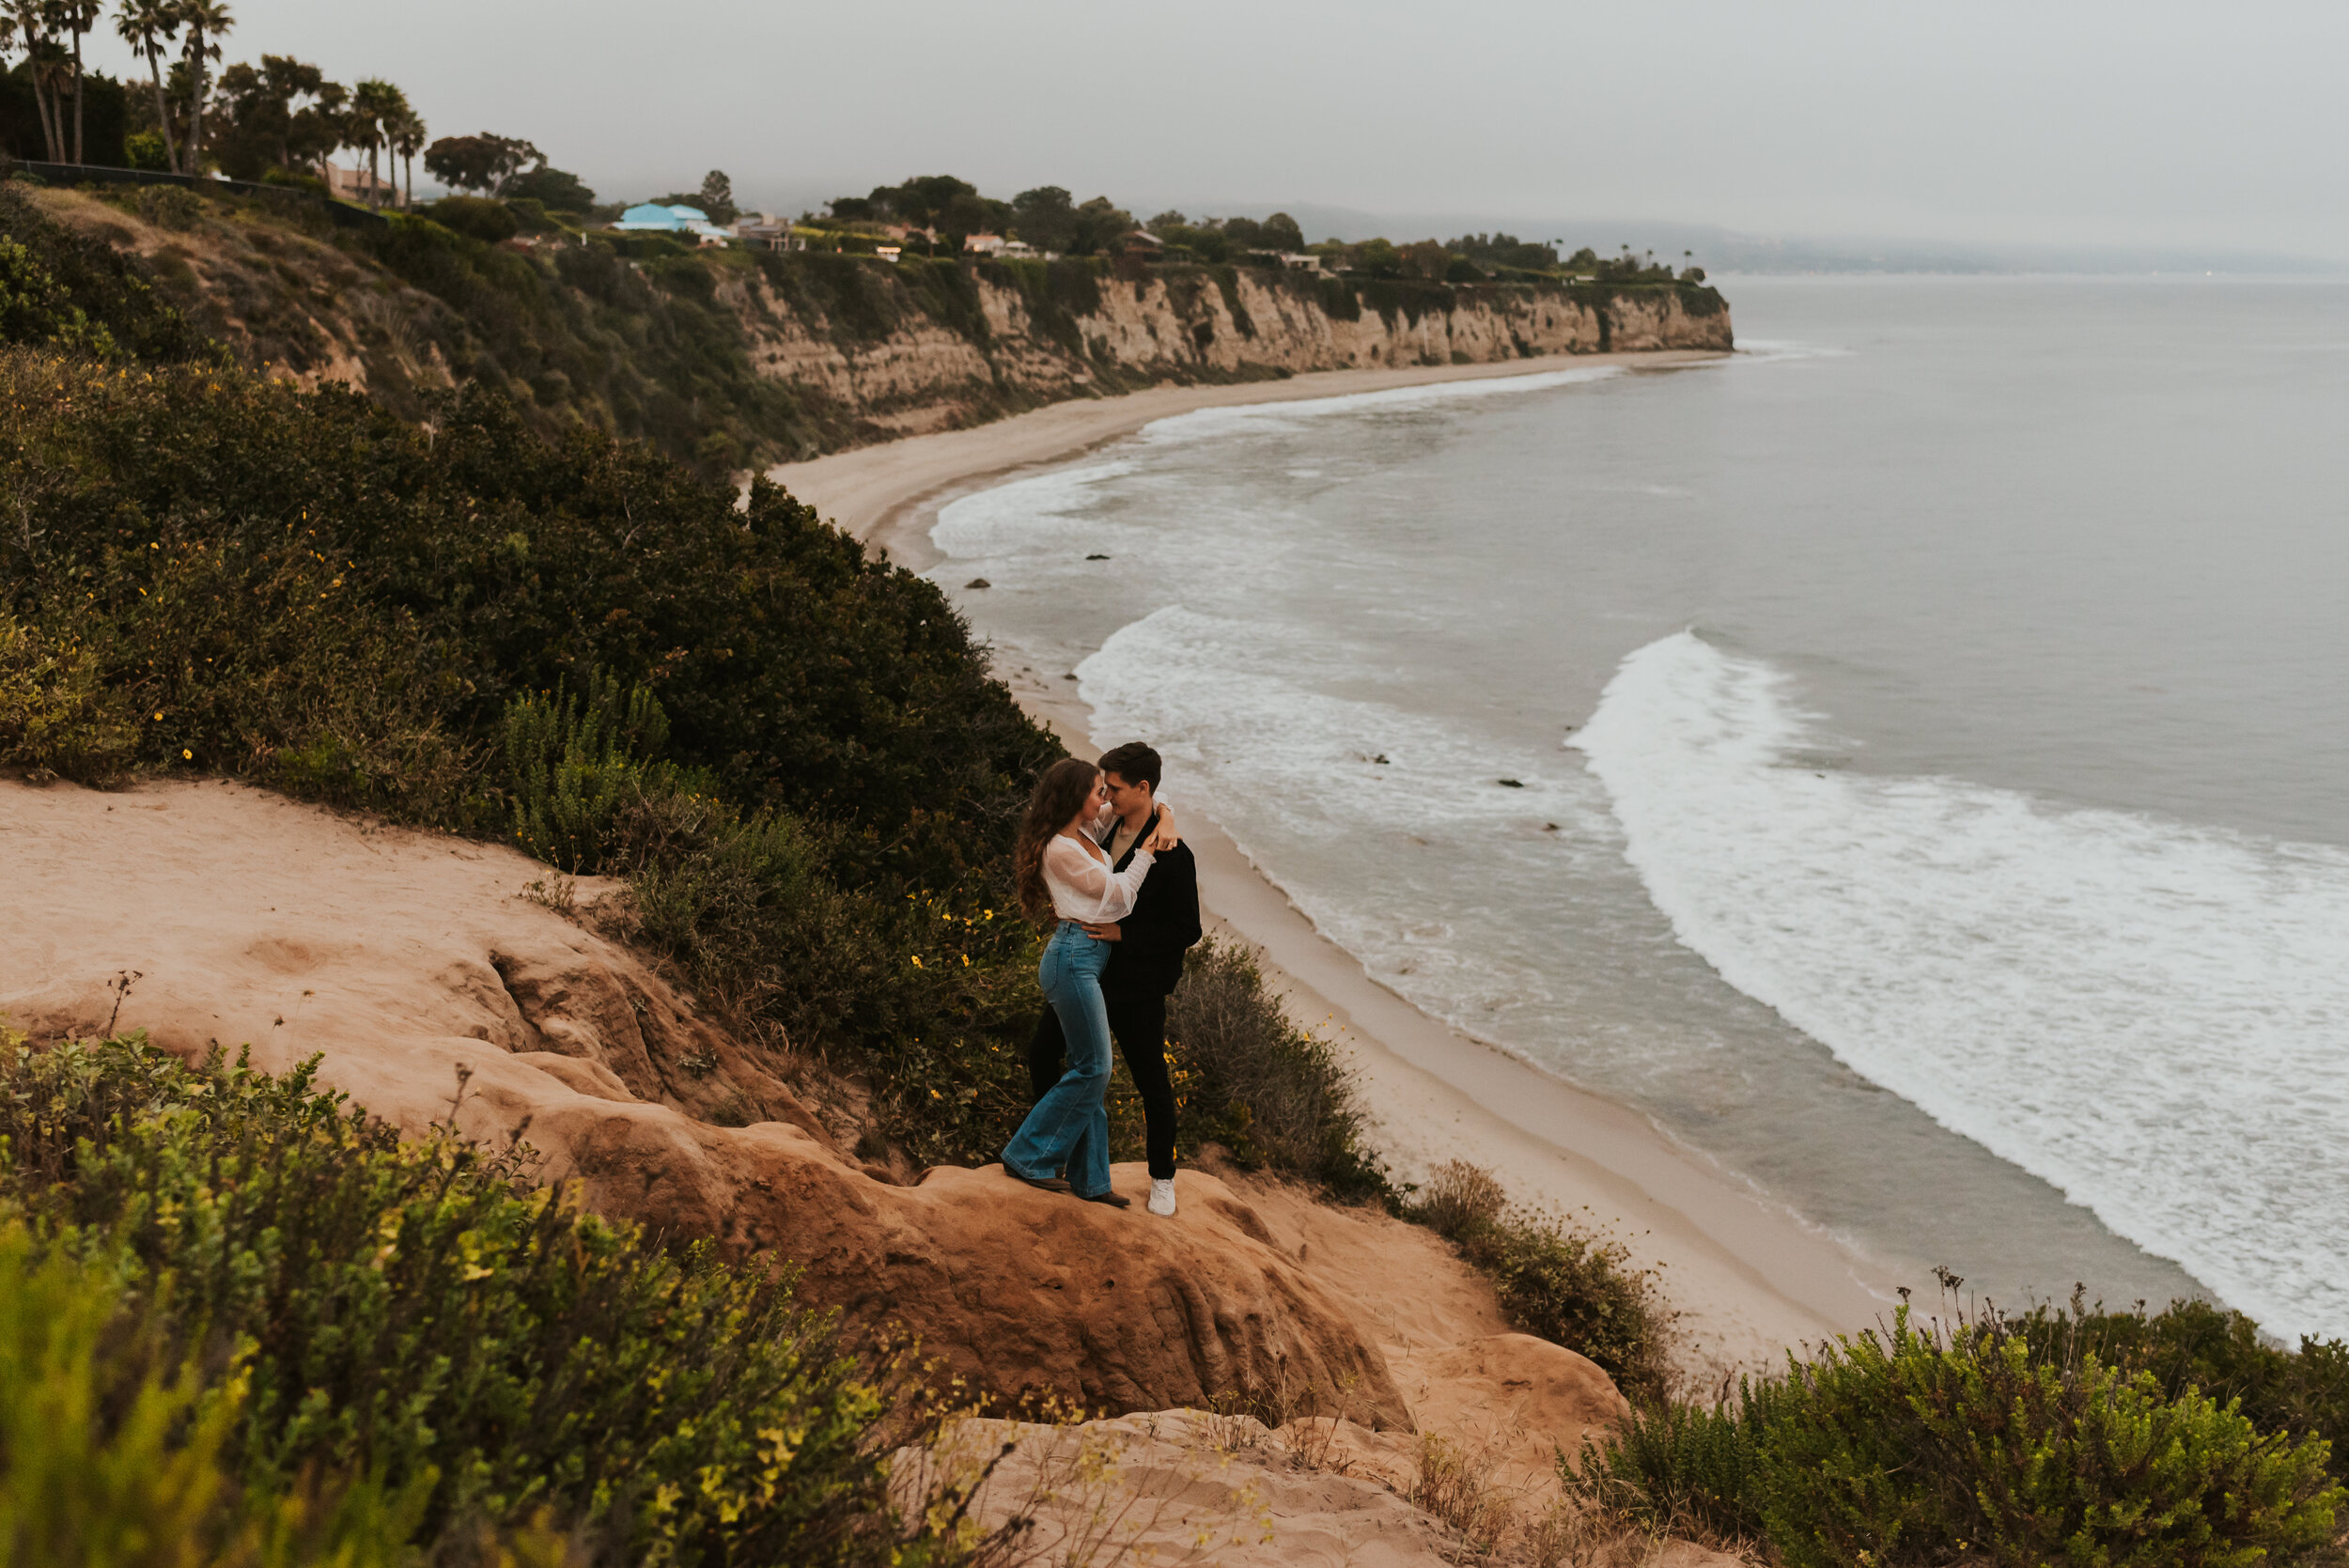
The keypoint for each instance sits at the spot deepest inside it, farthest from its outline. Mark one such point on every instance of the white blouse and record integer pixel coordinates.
(1083, 885)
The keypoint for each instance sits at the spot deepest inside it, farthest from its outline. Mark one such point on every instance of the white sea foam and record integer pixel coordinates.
(1052, 507)
(1239, 710)
(1760, 349)
(1205, 424)
(2152, 1015)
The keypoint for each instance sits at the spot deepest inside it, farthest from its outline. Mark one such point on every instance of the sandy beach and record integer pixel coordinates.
(1749, 1279)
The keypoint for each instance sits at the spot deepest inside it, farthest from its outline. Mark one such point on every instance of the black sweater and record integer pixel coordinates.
(1164, 923)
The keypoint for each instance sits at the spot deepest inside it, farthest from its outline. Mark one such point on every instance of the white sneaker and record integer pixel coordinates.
(1162, 1195)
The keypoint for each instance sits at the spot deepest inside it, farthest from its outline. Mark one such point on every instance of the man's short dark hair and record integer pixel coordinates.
(1134, 763)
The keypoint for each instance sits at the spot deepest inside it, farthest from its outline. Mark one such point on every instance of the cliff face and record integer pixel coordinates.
(736, 359)
(1020, 346)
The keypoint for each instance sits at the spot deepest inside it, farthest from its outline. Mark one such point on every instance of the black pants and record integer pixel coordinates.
(1137, 1024)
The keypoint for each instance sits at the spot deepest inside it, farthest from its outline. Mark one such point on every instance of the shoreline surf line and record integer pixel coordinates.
(865, 489)
(1749, 1279)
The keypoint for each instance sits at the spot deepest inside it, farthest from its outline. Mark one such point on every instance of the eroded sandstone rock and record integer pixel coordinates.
(211, 914)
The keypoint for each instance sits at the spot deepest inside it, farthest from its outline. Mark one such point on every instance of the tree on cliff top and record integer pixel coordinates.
(556, 190)
(484, 163)
(283, 113)
(1045, 218)
(716, 197)
(1280, 232)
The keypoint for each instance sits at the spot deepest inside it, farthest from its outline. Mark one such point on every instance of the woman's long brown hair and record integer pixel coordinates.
(1060, 795)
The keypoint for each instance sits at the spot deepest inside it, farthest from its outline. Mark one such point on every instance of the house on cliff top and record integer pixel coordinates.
(652, 218)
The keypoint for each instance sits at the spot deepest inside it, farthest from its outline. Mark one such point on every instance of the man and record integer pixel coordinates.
(1145, 964)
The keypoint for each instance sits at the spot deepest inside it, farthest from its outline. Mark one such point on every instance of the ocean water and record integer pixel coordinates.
(1906, 760)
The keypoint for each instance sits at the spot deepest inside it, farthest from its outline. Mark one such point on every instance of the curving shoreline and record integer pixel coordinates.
(1749, 1278)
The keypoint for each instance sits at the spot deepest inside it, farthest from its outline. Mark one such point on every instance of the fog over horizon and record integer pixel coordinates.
(2153, 125)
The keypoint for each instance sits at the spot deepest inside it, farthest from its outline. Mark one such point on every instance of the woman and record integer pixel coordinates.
(1066, 876)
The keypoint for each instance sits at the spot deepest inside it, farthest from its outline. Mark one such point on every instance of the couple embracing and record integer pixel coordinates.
(1099, 860)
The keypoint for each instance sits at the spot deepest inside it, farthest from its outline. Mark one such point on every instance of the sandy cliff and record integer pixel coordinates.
(1035, 334)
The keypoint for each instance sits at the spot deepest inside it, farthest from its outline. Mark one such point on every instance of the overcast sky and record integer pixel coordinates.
(2112, 122)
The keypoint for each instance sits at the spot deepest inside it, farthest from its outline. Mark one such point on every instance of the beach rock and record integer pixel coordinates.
(214, 915)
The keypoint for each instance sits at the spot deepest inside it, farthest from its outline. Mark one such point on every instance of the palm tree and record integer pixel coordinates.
(78, 17)
(145, 25)
(375, 108)
(408, 135)
(9, 27)
(34, 17)
(206, 20)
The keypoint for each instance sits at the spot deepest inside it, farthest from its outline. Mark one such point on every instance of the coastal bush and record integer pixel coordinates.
(1922, 1446)
(109, 1447)
(2198, 1345)
(285, 580)
(1271, 1092)
(855, 298)
(113, 1449)
(56, 716)
(325, 1300)
(575, 762)
(66, 290)
(475, 217)
(1228, 283)
(1058, 294)
(1566, 1284)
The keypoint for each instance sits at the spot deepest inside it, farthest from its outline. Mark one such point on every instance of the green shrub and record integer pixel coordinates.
(1909, 1446)
(114, 1450)
(147, 149)
(1568, 1285)
(857, 297)
(1689, 1468)
(475, 217)
(1271, 1092)
(63, 290)
(309, 592)
(574, 763)
(2196, 1344)
(55, 714)
(417, 1313)
(172, 206)
(1340, 298)
(109, 1446)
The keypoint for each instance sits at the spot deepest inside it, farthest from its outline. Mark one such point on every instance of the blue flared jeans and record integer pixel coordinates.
(1070, 1126)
